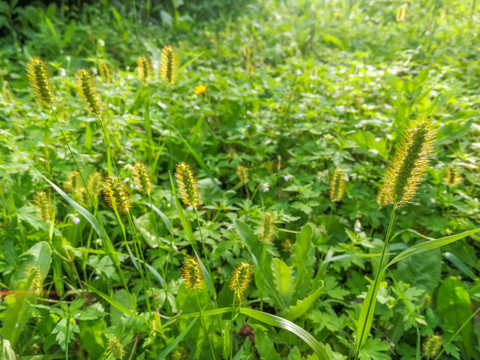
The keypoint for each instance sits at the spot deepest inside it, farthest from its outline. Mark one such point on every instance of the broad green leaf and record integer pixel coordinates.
(303, 261)
(39, 255)
(265, 347)
(284, 282)
(18, 305)
(302, 306)
(454, 306)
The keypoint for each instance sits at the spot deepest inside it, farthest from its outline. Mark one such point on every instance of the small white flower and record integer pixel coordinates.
(299, 72)
(94, 71)
(63, 73)
(286, 177)
(247, 126)
(375, 152)
(265, 187)
(101, 42)
(196, 107)
(358, 226)
(190, 207)
(389, 137)
(126, 180)
(76, 220)
(97, 277)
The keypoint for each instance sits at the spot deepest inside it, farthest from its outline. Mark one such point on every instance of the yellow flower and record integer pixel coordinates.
(200, 89)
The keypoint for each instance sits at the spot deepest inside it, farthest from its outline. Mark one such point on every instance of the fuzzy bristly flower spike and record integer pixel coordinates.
(337, 185)
(169, 64)
(409, 163)
(432, 346)
(267, 228)
(187, 184)
(105, 71)
(241, 278)
(39, 81)
(87, 91)
(73, 181)
(115, 347)
(381, 197)
(144, 69)
(95, 184)
(192, 274)
(452, 176)
(242, 174)
(142, 178)
(43, 206)
(116, 194)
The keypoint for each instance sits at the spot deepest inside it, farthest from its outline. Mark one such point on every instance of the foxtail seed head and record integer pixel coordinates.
(432, 346)
(241, 278)
(142, 178)
(409, 163)
(192, 274)
(75, 187)
(187, 184)
(73, 181)
(43, 206)
(87, 92)
(242, 174)
(105, 71)
(116, 194)
(169, 65)
(452, 176)
(144, 69)
(115, 347)
(39, 81)
(95, 184)
(381, 197)
(337, 185)
(267, 228)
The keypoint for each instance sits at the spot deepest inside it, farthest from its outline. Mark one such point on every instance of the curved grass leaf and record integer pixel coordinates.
(119, 306)
(273, 320)
(429, 245)
(175, 342)
(160, 213)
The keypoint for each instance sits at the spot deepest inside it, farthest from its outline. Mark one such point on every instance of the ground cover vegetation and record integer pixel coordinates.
(239, 180)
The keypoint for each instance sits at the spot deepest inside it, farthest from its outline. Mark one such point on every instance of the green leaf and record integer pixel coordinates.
(430, 245)
(265, 347)
(302, 306)
(6, 351)
(421, 271)
(284, 282)
(366, 314)
(272, 320)
(303, 260)
(176, 341)
(119, 306)
(454, 305)
(282, 323)
(39, 255)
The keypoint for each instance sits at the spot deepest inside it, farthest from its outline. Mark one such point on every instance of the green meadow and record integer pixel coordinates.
(239, 179)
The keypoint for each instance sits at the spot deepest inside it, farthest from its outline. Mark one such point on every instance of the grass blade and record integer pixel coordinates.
(429, 245)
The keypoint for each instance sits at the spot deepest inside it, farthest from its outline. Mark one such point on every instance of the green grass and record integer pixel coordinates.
(294, 90)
